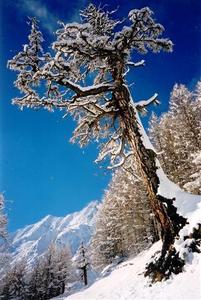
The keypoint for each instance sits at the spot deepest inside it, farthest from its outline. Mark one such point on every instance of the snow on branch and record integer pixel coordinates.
(89, 51)
(122, 161)
(99, 19)
(143, 34)
(78, 89)
(141, 105)
(116, 149)
(33, 101)
(137, 64)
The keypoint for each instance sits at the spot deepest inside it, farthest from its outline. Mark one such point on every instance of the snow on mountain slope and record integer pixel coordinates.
(33, 240)
(127, 282)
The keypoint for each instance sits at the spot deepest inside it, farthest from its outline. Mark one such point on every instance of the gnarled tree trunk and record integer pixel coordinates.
(165, 212)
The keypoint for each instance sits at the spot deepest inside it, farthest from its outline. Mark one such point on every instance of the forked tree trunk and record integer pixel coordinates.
(166, 215)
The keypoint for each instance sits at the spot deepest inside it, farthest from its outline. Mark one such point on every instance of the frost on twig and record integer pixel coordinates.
(85, 52)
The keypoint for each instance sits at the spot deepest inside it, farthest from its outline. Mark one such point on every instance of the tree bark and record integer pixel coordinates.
(163, 208)
(85, 275)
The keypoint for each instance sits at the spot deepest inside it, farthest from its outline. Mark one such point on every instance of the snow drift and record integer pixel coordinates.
(127, 282)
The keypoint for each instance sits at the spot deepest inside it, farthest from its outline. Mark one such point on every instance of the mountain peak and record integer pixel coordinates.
(33, 240)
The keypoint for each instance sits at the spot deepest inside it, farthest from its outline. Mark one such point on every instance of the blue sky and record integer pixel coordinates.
(40, 171)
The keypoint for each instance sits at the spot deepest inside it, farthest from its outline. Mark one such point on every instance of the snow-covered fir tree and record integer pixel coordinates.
(53, 271)
(177, 135)
(13, 283)
(82, 263)
(35, 287)
(125, 224)
(164, 143)
(194, 184)
(3, 219)
(106, 243)
(94, 49)
(4, 253)
(46, 279)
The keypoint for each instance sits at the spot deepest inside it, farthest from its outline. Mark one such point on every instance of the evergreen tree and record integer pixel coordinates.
(102, 246)
(4, 254)
(56, 269)
(186, 131)
(125, 224)
(82, 263)
(3, 219)
(197, 94)
(104, 109)
(177, 136)
(161, 132)
(13, 282)
(35, 286)
(51, 273)
(194, 184)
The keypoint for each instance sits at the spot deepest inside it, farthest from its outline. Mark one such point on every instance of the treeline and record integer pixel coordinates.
(45, 280)
(53, 273)
(125, 224)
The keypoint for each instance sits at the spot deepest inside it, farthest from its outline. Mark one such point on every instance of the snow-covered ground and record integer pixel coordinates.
(127, 282)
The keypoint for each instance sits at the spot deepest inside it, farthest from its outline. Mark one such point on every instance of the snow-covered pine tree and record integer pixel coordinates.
(194, 184)
(82, 263)
(160, 141)
(177, 136)
(13, 283)
(50, 274)
(57, 265)
(187, 132)
(4, 253)
(64, 272)
(102, 246)
(3, 219)
(124, 224)
(197, 94)
(104, 109)
(35, 286)
(106, 243)
(162, 136)
(139, 229)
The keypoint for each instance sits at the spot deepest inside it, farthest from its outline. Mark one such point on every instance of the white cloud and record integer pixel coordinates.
(39, 10)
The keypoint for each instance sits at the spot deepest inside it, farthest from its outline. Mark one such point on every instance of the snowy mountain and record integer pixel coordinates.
(127, 282)
(33, 240)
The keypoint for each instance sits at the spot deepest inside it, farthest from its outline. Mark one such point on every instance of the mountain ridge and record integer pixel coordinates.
(33, 240)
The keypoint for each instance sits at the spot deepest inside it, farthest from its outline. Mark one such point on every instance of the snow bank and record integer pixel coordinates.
(188, 205)
(127, 282)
